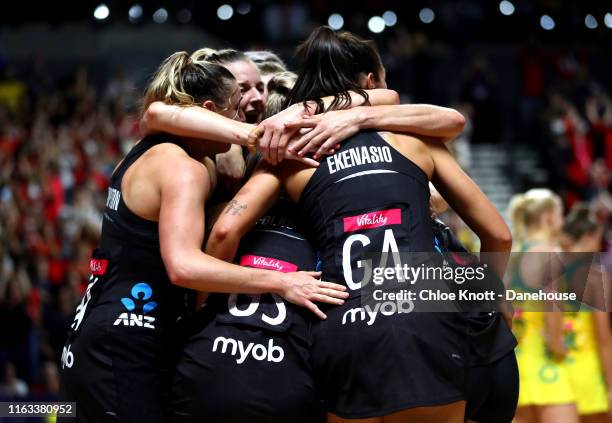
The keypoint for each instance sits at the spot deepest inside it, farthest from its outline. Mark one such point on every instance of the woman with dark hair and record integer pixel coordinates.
(589, 345)
(372, 196)
(117, 357)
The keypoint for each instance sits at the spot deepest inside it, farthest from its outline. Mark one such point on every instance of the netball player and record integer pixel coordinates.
(116, 359)
(404, 367)
(546, 394)
(268, 64)
(492, 378)
(589, 355)
(196, 122)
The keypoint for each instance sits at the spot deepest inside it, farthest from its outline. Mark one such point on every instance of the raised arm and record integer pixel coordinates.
(200, 123)
(181, 233)
(193, 122)
(273, 134)
(249, 204)
(330, 128)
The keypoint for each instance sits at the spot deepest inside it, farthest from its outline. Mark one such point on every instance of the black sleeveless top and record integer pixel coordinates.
(274, 243)
(367, 197)
(134, 288)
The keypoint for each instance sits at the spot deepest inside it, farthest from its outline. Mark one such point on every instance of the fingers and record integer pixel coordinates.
(328, 146)
(313, 307)
(304, 122)
(331, 285)
(333, 293)
(274, 147)
(313, 274)
(284, 141)
(325, 299)
(306, 140)
(306, 160)
(315, 143)
(301, 142)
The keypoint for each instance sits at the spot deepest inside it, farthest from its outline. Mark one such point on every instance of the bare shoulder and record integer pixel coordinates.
(170, 162)
(294, 175)
(413, 148)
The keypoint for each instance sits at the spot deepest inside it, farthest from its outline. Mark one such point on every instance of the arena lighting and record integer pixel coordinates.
(101, 12)
(590, 21)
(376, 24)
(426, 15)
(547, 22)
(335, 21)
(183, 16)
(160, 15)
(506, 7)
(225, 12)
(390, 18)
(608, 20)
(135, 13)
(243, 7)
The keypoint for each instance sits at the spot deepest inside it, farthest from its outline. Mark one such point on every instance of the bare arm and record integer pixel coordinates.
(466, 198)
(330, 128)
(420, 119)
(473, 206)
(193, 122)
(604, 346)
(273, 134)
(553, 325)
(181, 233)
(249, 204)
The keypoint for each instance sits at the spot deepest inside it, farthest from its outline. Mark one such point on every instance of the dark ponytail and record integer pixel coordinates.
(331, 65)
(579, 222)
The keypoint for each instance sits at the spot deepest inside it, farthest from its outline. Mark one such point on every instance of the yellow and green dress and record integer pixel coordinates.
(544, 379)
(583, 361)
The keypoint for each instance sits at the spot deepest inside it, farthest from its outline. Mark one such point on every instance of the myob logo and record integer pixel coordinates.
(259, 352)
(368, 314)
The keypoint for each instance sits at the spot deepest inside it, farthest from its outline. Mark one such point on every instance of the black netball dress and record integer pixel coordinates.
(247, 357)
(117, 359)
(369, 198)
(492, 378)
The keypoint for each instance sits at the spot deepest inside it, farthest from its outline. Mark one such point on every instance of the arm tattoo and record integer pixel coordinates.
(234, 207)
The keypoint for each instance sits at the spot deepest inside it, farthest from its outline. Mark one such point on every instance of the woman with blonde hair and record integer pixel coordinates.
(546, 395)
(117, 358)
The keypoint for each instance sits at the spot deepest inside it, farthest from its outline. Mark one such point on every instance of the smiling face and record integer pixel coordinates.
(251, 87)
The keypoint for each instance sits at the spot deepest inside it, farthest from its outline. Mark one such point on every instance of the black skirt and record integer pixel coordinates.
(368, 366)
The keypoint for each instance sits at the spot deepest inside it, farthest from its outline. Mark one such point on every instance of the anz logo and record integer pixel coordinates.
(141, 294)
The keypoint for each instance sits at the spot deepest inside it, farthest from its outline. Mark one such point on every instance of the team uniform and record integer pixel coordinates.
(369, 198)
(247, 357)
(116, 362)
(584, 365)
(492, 378)
(544, 379)
(583, 362)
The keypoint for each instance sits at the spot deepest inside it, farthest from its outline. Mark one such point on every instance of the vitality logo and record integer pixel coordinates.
(141, 293)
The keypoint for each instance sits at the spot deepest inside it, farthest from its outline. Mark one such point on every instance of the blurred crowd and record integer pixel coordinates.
(59, 142)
